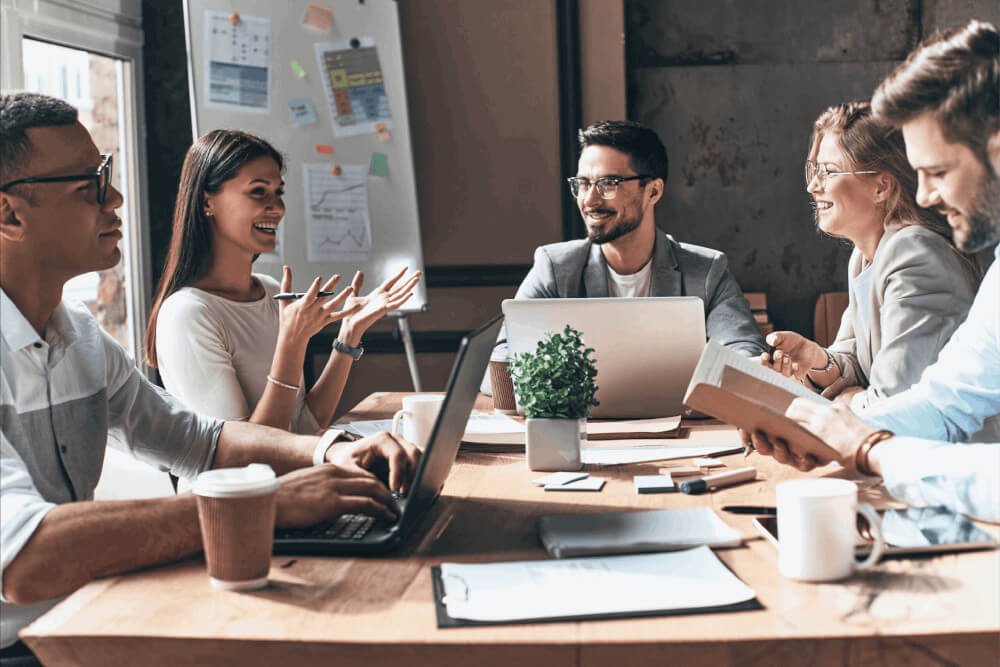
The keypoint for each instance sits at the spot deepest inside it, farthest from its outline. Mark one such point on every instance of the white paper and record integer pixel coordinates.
(355, 90)
(586, 484)
(584, 586)
(480, 424)
(237, 65)
(338, 225)
(618, 455)
(560, 478)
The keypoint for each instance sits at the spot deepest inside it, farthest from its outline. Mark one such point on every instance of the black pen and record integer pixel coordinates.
(288, 296)
(751, 509)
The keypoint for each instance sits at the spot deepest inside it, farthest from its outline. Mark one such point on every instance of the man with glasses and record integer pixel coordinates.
(946, 99)
(619, 179)
(64, 384)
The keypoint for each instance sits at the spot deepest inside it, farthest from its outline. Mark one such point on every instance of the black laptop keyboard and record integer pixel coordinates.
(344, 527)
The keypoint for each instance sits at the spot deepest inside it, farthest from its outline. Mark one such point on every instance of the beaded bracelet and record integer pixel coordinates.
(861, 455)
(282, 384)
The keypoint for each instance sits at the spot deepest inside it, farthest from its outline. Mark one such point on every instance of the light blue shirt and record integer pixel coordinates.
(861, 289)
(952, 400)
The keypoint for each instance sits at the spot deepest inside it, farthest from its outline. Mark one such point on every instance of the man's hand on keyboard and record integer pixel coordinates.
(374, 453)
(310, 495)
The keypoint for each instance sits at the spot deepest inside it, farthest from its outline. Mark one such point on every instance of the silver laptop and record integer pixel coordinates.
(645, 349)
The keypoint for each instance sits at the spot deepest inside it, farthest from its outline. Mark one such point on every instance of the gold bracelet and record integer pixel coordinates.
(864, 449)
(293, 387)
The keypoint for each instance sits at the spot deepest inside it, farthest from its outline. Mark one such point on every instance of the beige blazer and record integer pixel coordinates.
(921, 290)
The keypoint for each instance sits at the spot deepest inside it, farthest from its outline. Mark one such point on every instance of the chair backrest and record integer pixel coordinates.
(830, 307)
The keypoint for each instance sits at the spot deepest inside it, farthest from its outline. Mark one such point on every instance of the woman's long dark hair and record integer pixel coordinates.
(211, 161)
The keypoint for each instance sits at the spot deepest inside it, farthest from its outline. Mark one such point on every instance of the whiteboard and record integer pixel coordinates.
(229, 89)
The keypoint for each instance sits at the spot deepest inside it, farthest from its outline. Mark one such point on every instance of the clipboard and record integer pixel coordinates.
(446, 621)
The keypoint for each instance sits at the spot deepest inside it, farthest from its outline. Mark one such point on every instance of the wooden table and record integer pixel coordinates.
(378, 611)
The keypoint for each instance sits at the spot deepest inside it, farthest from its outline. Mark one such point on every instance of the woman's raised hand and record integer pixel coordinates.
(303, 318)
(793, 354)
(387, 297)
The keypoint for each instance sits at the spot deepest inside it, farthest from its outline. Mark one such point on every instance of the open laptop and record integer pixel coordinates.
(360, 534)
(645, 349)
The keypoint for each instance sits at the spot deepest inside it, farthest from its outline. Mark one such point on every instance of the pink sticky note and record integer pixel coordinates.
(382, 132)
(319, 17)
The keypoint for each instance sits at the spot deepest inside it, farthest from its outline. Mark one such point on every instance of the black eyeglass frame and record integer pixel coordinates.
(102, 176)
(575, 182)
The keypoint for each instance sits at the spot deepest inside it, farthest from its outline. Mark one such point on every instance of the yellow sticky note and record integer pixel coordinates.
(319, 17)
(382, 132)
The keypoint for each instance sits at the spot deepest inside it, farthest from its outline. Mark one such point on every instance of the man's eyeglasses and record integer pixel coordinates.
(102, 177)
(607, 186)
(820, 171)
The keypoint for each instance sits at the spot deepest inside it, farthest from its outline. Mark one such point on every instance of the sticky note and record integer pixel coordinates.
(681, 471)
(319, 17)
(560, 478)
(382, 132)
(297, 68)
(379, 165)
(705, 462)
(302, 111)
(325, 149)
(587, 484)
(654, 484)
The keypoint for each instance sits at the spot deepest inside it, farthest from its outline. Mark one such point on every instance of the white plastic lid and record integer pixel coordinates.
(254, 480)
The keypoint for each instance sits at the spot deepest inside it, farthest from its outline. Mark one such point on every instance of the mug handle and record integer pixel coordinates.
(398, 417)
(875, 526)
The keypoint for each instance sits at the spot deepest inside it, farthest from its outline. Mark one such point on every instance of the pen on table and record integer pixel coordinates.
(287, 296)
(751, 509)
(721, 479)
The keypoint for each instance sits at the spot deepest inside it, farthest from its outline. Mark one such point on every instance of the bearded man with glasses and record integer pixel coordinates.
(619, 179)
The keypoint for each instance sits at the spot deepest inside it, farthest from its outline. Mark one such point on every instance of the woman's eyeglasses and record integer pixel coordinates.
(820, 171)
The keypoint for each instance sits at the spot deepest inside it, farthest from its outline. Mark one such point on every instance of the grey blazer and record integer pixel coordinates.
(577, 269)
(921, 290)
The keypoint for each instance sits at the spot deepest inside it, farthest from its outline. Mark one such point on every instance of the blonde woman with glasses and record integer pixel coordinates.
(909, 286)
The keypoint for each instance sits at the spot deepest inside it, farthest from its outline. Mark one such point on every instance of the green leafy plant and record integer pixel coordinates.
(557, 380)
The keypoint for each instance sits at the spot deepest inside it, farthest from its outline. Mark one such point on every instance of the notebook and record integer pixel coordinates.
(645, 349)
(360, 534)
(569, 535)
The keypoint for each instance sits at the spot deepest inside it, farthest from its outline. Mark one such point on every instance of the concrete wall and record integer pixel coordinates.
(732, 87)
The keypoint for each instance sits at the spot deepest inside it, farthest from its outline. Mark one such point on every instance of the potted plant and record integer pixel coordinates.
(555, 387)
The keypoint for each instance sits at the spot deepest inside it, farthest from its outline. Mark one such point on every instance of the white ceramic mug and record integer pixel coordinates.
(817, 529)
(417, 418)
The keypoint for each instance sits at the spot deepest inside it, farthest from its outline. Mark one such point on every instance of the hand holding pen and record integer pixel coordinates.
(304, 316)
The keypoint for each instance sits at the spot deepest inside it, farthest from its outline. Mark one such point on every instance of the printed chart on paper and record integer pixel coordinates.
(238, 62)
(355, 91)
(337, 220)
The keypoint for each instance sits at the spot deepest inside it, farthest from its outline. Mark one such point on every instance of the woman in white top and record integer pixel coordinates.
(909, 286)
(222, 344)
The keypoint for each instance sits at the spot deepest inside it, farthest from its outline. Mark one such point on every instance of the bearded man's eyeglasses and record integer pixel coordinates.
(607, 186)
(101, 177)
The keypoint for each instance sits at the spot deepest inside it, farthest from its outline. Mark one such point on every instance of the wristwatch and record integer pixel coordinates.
(341, 346)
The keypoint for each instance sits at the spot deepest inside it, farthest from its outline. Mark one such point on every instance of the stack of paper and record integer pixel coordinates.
(684, 581)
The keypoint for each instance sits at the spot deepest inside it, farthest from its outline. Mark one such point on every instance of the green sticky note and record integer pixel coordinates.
(297, 68)
(379, 166)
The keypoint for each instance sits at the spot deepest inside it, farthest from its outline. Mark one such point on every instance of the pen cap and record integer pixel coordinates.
(693, 486)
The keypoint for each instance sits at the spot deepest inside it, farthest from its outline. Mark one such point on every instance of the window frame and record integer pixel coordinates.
(110, 28)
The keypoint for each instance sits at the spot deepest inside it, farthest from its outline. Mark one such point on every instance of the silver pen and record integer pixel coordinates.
(288, 296)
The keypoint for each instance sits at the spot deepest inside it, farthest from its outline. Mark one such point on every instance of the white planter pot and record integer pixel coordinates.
(553, 445)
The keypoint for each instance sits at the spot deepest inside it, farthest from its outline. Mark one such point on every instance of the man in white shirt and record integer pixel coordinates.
(64, 384)
(619, 179)
(946, 99)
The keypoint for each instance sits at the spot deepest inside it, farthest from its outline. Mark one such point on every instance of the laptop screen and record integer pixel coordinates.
(463, 386)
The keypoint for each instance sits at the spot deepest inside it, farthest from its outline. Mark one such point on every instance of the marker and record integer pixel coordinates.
(288, 296)
(716, 481)
(751, 509)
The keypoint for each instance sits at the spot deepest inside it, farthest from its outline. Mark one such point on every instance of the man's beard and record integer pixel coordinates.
(984, 214)
(599, 235)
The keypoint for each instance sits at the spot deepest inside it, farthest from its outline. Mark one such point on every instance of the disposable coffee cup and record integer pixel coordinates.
(503, 388)
(236, 512)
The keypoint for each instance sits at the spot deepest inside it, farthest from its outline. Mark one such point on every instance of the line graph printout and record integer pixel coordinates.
(338, 225)
(355, 89)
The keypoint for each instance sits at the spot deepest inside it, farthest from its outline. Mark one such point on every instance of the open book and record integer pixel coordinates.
(741, 392)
